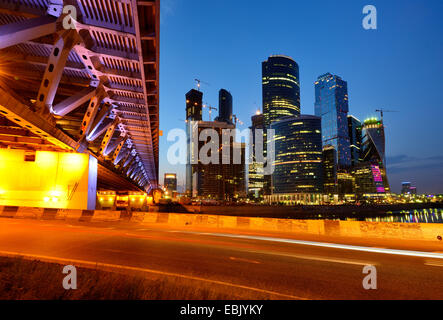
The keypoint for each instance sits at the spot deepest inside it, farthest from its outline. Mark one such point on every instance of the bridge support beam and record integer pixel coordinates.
(117, 145)
(54, 71)
(75, 101)
(22, 31)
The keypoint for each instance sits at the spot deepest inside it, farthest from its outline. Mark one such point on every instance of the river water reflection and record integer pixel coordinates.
(411, 216)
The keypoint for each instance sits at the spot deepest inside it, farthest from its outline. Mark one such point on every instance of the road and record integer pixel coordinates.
(298, 268)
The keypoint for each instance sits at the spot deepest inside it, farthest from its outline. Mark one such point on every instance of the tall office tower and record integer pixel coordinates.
(331, 104)
(370, 175)
(216, 181)
(194, 105)
(298, 173)
(224, 106)
(170, 182)
(281, 88)
(255, 177)
(355, 139)
(281, 95)
(330, 170)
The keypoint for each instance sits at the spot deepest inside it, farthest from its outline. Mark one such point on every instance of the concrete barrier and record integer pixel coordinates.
(103, 215)
(8, 211)
(358, 229)
(68, 214)
(30, 213)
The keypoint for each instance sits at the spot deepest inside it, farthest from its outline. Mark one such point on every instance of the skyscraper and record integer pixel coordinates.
(370, 175)
(170, 182)
(215, 180)
(331, 104)
(194, 105)
(224, 106)
(256, 178)
(281, 88)
(330, 170)
(298, 173)
(355, 139)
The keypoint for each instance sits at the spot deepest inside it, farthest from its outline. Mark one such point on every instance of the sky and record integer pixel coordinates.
(398, 67)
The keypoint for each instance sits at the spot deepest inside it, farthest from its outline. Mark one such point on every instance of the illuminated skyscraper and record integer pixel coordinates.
(370, 175)
(256, 179)
(331, 104)
(330, 170)
(281, 88)
(170, 182)
(298, 173)
(355, 139)
(194, 105)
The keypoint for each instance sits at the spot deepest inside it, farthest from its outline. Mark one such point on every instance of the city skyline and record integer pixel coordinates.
(378, 68)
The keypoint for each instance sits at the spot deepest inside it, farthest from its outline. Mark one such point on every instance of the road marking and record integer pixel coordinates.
(315, 258)
(421, 254)
(244, 260)
(91, 264)
(434, 263)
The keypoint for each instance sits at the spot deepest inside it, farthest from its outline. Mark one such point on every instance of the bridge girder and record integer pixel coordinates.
(109, 62)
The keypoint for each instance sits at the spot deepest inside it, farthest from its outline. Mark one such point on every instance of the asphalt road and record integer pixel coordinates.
(292, 268)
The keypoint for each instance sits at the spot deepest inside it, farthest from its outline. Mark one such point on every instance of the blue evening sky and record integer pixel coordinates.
(399, 66)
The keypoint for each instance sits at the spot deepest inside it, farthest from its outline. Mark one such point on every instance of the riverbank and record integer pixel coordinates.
(341, 212)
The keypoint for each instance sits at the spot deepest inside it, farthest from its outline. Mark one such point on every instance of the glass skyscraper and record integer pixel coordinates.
(298, 161)
(331, 104)
(281, 88)
(256, 179)
(370, 174)
(224, 106)
(355, 139)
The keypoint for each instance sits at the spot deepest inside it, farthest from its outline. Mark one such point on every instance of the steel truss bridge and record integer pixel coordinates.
(83, 76)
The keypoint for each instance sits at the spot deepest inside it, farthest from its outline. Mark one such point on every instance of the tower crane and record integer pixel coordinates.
(237, 120)
(382, 111)
(199, 82)
(210, 108)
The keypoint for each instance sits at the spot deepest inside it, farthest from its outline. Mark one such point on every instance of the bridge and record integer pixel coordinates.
(80, 77)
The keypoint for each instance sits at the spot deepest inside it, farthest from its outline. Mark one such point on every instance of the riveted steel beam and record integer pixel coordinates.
(21, 31)
(54, 70)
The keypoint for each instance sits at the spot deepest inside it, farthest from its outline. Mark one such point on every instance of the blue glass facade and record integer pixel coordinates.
(331, 104)
(298, 155)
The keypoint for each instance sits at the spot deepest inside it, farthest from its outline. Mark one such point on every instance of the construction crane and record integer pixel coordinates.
(382, 111)
(199, 82)
(210, 108)
(237, 120)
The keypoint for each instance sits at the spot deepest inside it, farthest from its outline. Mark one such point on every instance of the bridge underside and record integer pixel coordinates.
(83, 80)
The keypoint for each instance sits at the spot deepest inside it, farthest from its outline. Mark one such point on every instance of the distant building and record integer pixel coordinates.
(355, 139)
(194, 105)
(224, 106)
(170, 182)
(298, 173)
(331, 104)
(408, 189)
(281, 88)
(255, 177)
